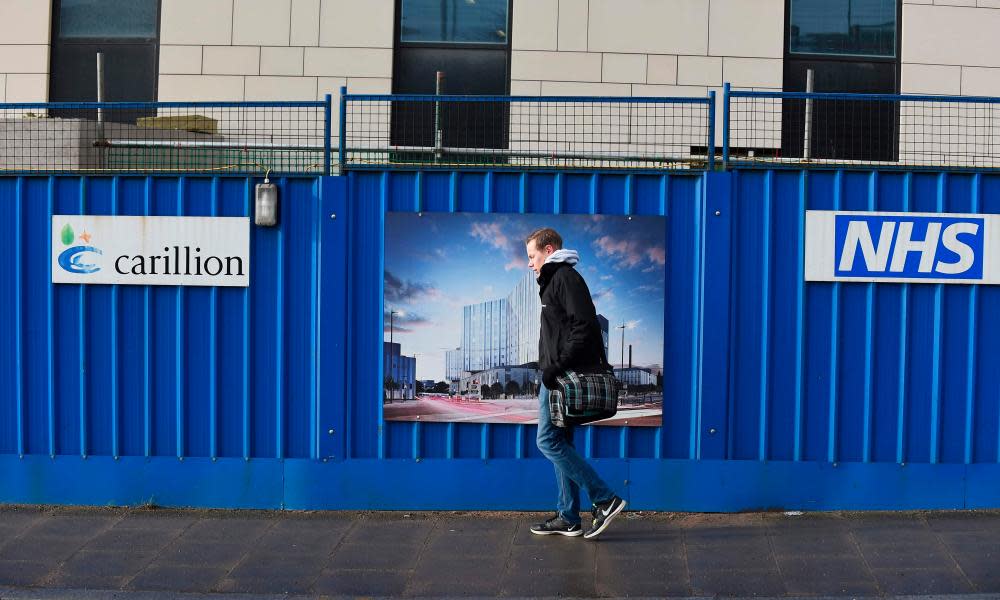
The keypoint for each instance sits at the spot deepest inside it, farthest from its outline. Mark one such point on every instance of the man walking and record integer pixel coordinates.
(570, 340)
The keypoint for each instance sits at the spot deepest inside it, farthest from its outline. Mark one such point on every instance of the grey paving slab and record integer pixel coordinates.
(152, 520)
(642, 576)
(471, 555)
(176, 578)
(736, 556)
(733, 535)
(830, 575)
(72, 525)
(106, 564)
(22, 573)
(922, 581)
(202, 554)
(834, 544)
(907, 556)
(51, 549)
(547, 582)
(348, 582)
(977, 557)
(733, 582)
(435, 576)
(842, 568)
(375, 556)
(12, 523)
(260, 563)
(276, 570)
(229, 531)
(379, 531)
(467, 545)
(287, 584)
(477, 526)
(130, 540)
(963, 520)
(86, 581)
(826, 586)
(581, 555)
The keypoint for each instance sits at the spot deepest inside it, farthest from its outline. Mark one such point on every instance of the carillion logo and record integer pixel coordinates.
(75, 258)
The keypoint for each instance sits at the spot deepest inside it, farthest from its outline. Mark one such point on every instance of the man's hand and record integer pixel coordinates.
(549, 376)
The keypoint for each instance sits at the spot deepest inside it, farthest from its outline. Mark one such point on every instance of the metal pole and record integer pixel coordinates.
(622, 327)
(807, 141)
(342, 148)
(101, 138)
(327, 132)
(100, 94)
(725, 126)
(438, 134)
(711, 130)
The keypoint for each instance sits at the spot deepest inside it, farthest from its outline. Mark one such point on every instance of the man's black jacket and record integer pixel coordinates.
(570, 336)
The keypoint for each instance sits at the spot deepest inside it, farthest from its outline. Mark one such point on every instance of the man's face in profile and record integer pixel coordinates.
(536, 256)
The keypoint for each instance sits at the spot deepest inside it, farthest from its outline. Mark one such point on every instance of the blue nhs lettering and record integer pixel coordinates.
(911, 247)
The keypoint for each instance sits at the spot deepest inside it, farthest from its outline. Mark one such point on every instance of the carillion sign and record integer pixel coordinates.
(902, 247)
(213, 251)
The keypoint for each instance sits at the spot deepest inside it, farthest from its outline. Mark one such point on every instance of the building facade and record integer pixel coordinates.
(303, 49)
(526, 381)
(635, 376)
(505, 332)
(402, 370)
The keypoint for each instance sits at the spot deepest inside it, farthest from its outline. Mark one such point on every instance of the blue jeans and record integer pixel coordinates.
(572, 470)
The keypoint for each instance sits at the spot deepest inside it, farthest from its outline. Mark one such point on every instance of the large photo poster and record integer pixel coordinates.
(462, 313)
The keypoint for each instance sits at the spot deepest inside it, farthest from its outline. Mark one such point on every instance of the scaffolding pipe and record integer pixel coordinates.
(807, 135)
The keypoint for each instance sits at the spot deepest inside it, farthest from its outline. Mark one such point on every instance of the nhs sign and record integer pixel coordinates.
(902, 247)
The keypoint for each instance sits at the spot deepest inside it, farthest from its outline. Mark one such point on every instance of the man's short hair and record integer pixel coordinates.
(544, 237)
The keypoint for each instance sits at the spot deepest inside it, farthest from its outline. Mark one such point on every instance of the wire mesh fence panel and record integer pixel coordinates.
(217, 138)
(526, 132)
(863, 130)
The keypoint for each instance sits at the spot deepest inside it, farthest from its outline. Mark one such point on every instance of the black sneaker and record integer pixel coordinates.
(558, 526)
(603, 516)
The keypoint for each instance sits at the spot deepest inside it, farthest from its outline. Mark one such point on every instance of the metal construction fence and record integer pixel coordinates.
(166, 137)
(524, 132)
(882, 131)
(759, 129)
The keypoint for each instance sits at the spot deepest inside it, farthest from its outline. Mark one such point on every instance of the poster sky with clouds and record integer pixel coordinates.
(437, 263)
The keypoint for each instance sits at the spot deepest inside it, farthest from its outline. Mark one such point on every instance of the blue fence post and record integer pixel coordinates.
(716, 273)
(711, 130)
(342, 146)
(725, 126)
(327, 132)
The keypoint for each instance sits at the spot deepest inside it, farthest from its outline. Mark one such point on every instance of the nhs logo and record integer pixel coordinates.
(902, 247)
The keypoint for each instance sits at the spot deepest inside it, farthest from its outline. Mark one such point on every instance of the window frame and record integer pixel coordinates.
(898, 43)
(399, 43)
(57, 39)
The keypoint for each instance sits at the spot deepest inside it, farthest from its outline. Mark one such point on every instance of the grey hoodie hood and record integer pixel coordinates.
(570, 257)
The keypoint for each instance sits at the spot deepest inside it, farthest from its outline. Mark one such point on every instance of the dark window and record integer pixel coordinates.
(107, 19)
(843, 27)
(851, 47)
(454, 21)
(467, 40)
(126, 31)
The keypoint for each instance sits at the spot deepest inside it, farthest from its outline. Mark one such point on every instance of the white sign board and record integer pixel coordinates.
(213, 251)
(902, 247)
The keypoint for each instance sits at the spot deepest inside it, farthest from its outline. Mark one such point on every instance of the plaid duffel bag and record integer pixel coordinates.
(583, 398)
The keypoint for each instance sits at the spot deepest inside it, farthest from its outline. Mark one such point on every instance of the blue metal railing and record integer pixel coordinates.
(526, 132)
(376, 131)
(884, 131)
(166, 137)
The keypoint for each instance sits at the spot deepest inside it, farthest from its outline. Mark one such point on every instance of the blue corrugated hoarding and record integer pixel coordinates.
(778, 393)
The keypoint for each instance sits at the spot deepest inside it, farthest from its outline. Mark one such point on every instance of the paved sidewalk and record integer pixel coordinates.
(45, 552)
